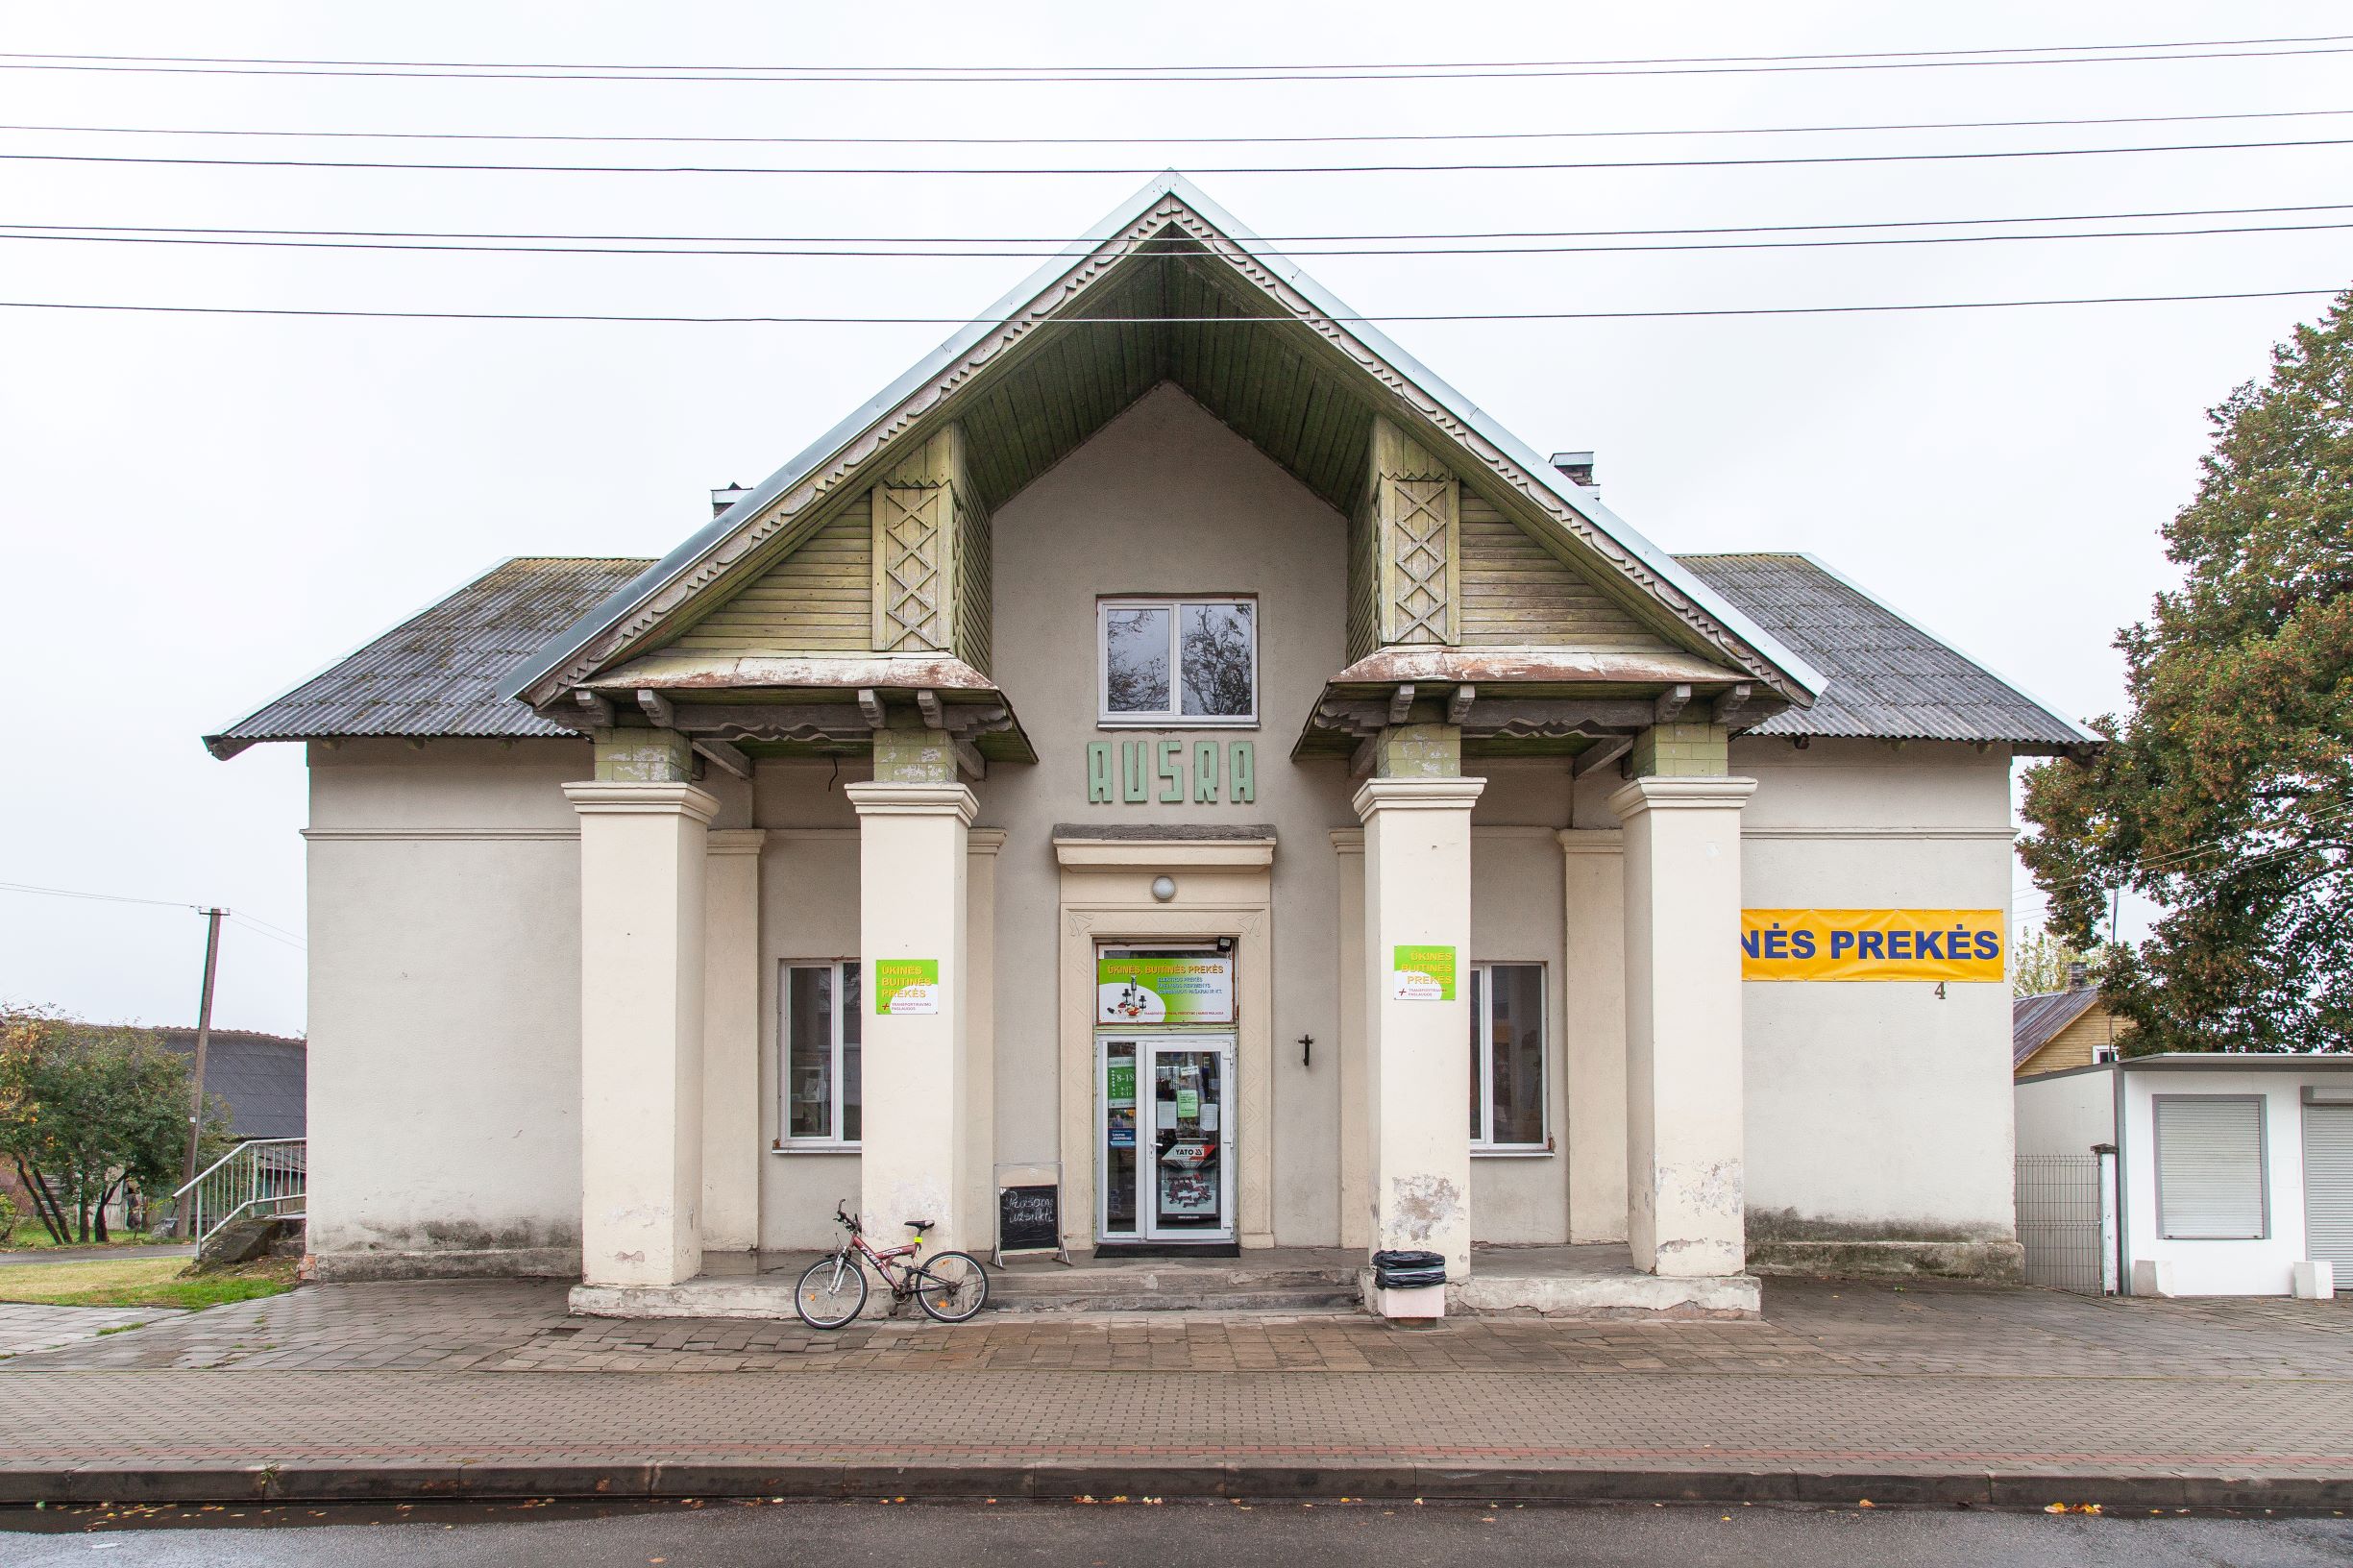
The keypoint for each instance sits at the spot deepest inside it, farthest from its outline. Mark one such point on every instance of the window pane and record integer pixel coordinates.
(1479, 1013)
(1136, 659)
(852, 1092)
(809, 1058)
(1517, 1073)
(1217, 663)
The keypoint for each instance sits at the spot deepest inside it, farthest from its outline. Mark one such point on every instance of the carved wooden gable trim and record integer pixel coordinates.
(1417, 507)
(917, 535)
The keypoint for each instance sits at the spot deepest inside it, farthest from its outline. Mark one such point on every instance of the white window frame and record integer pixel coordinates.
(1174, 717)
(835, 1142)
(1482, 1049)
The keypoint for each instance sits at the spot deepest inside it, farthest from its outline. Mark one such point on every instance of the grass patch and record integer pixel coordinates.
(30, 1238)
(144, 1282)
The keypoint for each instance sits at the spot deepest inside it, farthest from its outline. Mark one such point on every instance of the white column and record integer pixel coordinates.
(641, 854)
(1417, 893)
(1593, 1031)
(912, 888)
(1685, 1197)
(732, 1041)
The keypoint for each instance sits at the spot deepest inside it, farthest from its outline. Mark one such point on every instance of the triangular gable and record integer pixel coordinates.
(1631, 588)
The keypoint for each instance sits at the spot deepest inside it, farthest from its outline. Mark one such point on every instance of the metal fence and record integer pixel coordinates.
(2064, 1222)
(266, 1175)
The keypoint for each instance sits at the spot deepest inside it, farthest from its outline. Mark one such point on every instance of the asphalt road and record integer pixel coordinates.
(1136, 1535)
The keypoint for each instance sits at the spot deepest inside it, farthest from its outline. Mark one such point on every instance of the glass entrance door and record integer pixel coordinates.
(1164, 1126)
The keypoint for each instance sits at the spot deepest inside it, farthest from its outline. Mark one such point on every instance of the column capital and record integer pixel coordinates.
(1663, 793)
(876, 799)
(604, 799)
(1591, 840)
(1378, 794)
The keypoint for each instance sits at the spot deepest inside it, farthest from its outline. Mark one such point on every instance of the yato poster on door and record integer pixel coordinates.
(904, 986)
(1422, 974)
(1164, 987)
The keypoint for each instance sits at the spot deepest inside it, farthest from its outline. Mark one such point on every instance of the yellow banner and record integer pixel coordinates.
(1871, 944)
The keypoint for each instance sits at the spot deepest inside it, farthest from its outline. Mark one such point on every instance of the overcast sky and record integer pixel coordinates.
(196, 512)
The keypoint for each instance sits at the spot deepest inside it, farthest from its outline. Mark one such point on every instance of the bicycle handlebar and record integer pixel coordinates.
(840, 1217)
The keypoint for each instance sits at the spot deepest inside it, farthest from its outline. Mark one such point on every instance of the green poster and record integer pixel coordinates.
(1164, 987)
(1120, 1090)
(1189, 1105)
(906, 985)
(1422, 974)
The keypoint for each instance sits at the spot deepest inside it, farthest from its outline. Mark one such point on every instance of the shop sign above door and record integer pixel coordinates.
(1871, 944)
(1156, 770)
(1164, 987)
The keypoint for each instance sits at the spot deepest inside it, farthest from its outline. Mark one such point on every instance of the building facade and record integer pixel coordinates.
(1170, 746)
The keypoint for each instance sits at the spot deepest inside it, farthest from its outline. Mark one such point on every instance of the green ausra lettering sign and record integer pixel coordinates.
(1150, 771)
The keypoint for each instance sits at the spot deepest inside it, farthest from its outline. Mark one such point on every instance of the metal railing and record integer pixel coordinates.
(262, 1175)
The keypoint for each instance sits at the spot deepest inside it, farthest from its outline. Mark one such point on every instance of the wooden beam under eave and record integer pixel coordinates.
(1600, 754)
(1671, 701)
(724, 757)
(657, 708)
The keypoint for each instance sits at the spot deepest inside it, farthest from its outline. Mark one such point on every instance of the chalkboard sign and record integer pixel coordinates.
(1028, 1219)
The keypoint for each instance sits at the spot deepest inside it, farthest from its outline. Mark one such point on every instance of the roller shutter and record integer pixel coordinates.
(2209, 1168)
(2328, 1186)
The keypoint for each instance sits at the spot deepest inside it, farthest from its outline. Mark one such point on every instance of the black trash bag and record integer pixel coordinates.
(1409, 1270)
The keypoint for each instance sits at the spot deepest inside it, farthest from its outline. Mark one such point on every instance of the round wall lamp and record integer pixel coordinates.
(1164, 888)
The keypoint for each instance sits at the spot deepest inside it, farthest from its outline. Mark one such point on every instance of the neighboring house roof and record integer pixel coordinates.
(1888, 679)
(2035, 1022)
(264, 1078)
(438, 672)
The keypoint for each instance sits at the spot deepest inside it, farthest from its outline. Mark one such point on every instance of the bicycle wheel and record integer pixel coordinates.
(951, 1286)
(832, 1292)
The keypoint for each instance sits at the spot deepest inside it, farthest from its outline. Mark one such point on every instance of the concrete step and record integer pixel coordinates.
(1158, 1286)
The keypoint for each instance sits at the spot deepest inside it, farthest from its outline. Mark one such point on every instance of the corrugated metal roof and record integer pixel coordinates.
(2035, 1022)
(438, 673)
(1888, 680)
(264, 1078)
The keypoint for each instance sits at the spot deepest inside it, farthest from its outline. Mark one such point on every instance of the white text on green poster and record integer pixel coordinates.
(904, 986)
(1422, 973)
(1164, 987)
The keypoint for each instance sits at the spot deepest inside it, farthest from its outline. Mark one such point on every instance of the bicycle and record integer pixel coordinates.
(950, 1286)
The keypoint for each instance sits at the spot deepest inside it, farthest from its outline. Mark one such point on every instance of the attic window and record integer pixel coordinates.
(1178, 662)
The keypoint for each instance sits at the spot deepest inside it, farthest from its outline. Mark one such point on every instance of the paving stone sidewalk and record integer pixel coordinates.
(26, 1327)
(1948, 1391)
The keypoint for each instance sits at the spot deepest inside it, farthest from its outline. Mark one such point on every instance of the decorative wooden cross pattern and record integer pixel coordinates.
(1420, 514)
(914, 587)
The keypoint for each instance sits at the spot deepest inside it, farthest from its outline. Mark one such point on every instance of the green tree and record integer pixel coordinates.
(2042, 961)
(2225, 794)
(88, 1110)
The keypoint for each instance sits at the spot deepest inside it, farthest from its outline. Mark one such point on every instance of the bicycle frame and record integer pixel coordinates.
(896, 1266)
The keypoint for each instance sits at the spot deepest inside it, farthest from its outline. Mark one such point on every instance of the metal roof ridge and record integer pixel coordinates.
(1169, 182)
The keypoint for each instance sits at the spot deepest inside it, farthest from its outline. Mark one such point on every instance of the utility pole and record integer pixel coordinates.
(196, 1073)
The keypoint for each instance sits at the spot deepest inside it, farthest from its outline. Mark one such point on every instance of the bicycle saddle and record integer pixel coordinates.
(917, 1224)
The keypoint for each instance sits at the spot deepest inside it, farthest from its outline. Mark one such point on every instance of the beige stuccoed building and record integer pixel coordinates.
(1168, 747)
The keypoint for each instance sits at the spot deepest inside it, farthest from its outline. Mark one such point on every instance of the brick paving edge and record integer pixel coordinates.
(1058, 1482)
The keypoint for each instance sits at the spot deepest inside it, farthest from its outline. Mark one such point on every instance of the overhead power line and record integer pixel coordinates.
(1058, 243)
(818, 254)
(1154, 321)
(1230, 65)
(1034, 172)
(1180, 141)
(1187, 75)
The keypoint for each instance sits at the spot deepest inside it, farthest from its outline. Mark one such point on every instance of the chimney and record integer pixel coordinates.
(2079, 976)
(726, 496)
(1577, 466)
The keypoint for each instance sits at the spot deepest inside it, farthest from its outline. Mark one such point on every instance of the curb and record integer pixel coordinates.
(1060, 1482)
